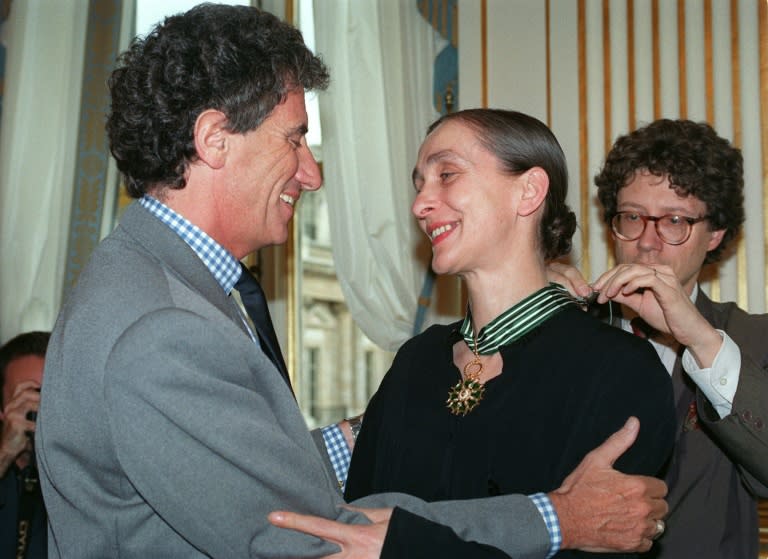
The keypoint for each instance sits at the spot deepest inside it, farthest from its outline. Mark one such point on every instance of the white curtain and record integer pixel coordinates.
(374, 116)
(45, 42)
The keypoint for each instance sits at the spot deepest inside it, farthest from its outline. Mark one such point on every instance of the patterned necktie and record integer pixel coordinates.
(255, 304)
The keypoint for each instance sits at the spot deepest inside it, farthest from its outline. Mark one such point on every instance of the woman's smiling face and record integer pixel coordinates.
(465, 204)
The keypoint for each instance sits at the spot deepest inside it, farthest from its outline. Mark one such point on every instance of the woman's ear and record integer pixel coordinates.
(535, 185)
(211, 137)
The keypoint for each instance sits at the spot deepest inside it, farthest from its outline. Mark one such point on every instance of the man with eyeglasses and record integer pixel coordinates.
(672, 195)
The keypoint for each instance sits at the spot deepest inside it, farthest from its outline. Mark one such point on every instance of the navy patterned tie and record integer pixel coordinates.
(255, 304)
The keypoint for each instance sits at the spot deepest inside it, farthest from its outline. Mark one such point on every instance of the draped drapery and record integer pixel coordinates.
(5, 7)
(51, 147)
(374, 117)
(95, 183)
(442, 15)
(45, 42)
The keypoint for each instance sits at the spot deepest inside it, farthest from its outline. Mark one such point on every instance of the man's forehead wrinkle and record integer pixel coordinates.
(684, 205)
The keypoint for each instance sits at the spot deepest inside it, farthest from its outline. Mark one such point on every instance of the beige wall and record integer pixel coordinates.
(594, 69)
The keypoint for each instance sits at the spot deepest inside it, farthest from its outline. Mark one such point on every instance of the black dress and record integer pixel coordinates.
(565, 387)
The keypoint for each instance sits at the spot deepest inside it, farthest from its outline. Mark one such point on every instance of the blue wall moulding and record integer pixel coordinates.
(446, 81)
(442, 15)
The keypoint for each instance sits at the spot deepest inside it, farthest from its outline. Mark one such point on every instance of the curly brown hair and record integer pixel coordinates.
(697, 163)
(235, 59)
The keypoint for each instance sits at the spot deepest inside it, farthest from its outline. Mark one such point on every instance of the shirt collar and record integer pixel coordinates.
(224, 267)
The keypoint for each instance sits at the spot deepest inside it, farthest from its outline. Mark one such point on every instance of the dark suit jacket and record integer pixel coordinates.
(10, 505)
(719, 465)
(164, 431)
(743, 433)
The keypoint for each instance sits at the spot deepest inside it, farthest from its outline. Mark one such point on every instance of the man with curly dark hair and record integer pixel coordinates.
(167, 425)
(672, 195)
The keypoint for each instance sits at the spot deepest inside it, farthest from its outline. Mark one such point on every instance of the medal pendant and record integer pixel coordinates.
(465, 396)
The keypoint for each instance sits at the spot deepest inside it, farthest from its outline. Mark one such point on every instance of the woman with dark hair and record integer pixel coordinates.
(511, 398)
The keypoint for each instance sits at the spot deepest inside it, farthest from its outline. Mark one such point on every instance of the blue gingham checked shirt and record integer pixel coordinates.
(226, 269)
(223, 265)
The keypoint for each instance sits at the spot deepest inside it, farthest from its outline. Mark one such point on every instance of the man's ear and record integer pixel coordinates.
(715, 238)
(535, 185)
(211, 137)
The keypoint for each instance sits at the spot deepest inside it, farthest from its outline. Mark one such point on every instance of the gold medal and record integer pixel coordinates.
(509, 326)
(467, 393)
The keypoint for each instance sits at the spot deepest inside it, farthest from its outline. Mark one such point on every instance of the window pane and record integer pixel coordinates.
(341, 367)
(340, 380)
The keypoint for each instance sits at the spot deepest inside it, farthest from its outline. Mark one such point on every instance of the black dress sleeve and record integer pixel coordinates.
(370, 461)
(641, 387)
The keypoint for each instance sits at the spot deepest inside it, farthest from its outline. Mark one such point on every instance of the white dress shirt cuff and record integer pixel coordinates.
(718, 383)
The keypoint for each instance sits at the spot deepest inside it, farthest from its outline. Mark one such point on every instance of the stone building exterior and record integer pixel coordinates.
(340, 368)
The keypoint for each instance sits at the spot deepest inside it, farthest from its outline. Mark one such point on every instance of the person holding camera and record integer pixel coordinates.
(22, 512)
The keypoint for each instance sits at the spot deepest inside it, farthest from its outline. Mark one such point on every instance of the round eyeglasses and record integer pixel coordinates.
(672, 229)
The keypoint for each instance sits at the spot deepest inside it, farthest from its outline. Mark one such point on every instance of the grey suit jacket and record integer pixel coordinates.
(164, 431)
